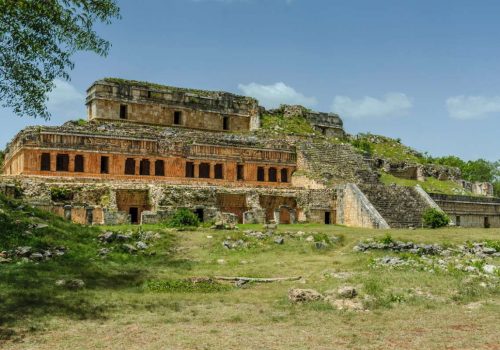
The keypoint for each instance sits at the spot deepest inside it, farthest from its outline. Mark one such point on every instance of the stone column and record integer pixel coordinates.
(266, 174)
(196, 169)
(137, 166)
(71, 165)
(211, 171)
(53, 160)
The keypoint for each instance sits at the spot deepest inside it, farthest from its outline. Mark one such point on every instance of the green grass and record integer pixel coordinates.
(430, 185)
(145, 301)
(291, 125)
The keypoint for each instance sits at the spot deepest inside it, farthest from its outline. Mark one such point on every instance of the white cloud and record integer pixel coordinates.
(65, 101)
(472, 107)
(391, 104)
(271, 96)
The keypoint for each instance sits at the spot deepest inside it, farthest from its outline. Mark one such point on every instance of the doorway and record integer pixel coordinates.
(134, 215)
(328, 218)
(199, 213)
(486, 222)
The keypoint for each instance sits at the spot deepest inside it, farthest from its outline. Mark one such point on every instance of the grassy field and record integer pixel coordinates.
(142, 300)
(430, 185)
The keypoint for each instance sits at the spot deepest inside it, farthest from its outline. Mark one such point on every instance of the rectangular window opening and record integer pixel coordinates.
(260, 173)
(273, 175)
(177, 118)
(104, 165)
(62, 162)
(204, 170)
(240, 172)
(45, 162)
(284, 175)
(79, 164)
(130, 166)
(225, 123)
(189, 169)
(144, 167)
(160, 168)
(219, 171)
(123, 112)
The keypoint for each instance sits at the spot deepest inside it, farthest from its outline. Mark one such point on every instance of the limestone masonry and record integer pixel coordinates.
(147, 150)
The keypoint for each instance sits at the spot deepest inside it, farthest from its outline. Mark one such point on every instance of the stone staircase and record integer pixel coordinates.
(400, 206)
(332, 163)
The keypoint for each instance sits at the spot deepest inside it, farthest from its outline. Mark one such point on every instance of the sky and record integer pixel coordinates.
(425, 71)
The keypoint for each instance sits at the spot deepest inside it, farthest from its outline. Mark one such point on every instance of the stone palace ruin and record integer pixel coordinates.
(147, 150)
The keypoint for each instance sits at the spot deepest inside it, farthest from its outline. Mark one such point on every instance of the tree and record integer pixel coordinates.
(479, 170)
(37, 40)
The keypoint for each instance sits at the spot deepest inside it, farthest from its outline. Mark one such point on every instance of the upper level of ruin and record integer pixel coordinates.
(147, 103)
(113, 99)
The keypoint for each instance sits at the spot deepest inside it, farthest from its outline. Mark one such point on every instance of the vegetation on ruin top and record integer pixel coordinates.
(430, 185)
(155, 86)
(286, 125)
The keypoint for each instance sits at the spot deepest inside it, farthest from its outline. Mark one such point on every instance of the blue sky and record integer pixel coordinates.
(426, 71)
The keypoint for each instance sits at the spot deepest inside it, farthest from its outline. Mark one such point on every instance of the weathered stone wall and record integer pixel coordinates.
(354, 209)
(155, 104)
(469, 211)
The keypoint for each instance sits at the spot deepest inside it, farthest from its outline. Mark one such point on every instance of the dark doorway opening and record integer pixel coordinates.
(123, 112)
(130, 166)
(457, 221)
(177, 118)
(45, 162)
(486, 222)
(189, 169)
(104, 165)
(134, 215)
(240, 172)
(79, 164)
(225, 123)
(219, 171)
(260, 173)
(199, 213)
(62, 162)
(160, 168)
(273, 175)
(328, 218)
(204, 170)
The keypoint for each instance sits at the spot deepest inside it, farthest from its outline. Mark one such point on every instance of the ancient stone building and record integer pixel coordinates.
(147, 150)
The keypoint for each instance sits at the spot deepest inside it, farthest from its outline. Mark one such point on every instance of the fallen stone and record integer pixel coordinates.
(23, 251)
(279, 240)
(72, 284)
(320, 245)
(297, 295)
(221, 261)
(346, 304)
(141, 245)
(310, 239)
(123, 238)
(129, 248)
(36, 256)
(103, 251)
(347, 292)
(40, 226)
(489, 268)
(107, 237)
(5, 260)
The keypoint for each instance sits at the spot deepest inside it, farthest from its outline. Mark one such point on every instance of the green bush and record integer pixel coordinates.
(435, 218)
(363, 145)
(183, 218)
(61, 194)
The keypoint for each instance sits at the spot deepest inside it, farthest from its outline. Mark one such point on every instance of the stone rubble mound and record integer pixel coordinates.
(30, 254)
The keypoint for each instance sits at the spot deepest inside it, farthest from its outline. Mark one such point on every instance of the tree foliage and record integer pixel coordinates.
(37, 40)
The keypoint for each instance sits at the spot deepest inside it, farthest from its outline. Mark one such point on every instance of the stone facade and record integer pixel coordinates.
(469, 211)
(141, 102)
(148, 150)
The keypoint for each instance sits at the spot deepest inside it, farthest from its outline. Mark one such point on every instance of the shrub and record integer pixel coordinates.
(183, 217)
(363, 145)
(61, 194)
(435, 218)
(387, 239)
